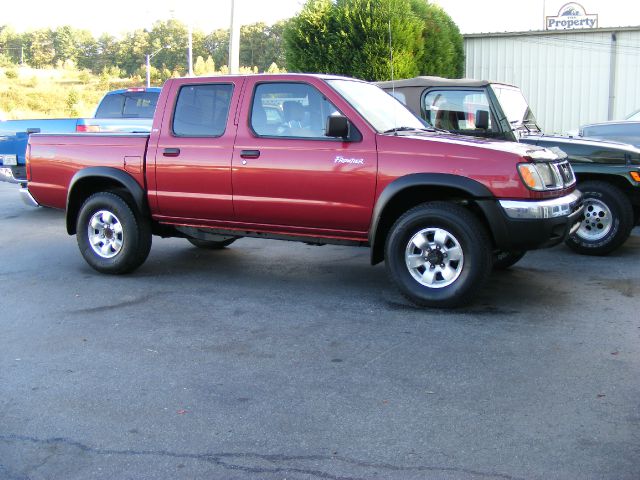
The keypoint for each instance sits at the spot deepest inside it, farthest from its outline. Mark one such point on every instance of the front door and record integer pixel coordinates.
(289, 176)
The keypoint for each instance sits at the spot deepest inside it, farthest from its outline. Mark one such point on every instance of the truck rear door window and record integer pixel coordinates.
(202, 110)
(456, 110)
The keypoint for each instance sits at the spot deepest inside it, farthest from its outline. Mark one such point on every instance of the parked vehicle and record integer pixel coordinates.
(124, 110)
(608, 173)
(345, 164)
(622, 131)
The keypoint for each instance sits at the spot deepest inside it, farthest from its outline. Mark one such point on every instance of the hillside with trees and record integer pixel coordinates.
(64, 71)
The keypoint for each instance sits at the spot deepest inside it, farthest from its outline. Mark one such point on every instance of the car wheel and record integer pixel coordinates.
(503, 259)
(438, 254)
(111, 238)
(212, 244)
(607, 220)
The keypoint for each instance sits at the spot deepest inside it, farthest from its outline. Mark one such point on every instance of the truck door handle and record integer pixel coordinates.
(249, 153)
(171, 152)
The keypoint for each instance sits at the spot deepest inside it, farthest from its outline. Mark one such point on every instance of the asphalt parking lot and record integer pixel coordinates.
(278, 360)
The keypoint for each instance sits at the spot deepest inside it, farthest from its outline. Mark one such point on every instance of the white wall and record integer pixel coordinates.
(565, 76)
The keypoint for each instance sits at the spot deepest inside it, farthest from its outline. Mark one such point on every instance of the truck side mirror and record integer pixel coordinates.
(337, 126)
(482, 119)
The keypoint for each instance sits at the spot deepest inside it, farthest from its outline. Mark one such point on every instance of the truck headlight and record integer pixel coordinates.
(530, 176)
(540, 176)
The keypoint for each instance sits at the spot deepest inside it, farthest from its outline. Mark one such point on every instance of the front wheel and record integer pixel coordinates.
(111, 238)
(607, 220)
(438, 254)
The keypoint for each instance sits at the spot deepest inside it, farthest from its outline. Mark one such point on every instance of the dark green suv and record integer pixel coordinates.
(608, 173)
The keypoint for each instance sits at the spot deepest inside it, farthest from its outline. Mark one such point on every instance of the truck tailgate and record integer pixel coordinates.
(54, 159)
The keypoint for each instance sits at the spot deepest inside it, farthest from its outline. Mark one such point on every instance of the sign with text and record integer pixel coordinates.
(571, 16)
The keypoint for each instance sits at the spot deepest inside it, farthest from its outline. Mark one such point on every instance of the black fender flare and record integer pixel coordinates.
(112, 174)
(471, 188)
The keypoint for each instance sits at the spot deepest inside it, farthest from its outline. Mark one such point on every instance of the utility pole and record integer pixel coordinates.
(148, 58)
(234, 40)
(190, 55)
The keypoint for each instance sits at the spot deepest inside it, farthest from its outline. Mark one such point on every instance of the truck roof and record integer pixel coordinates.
(422, 82)
(267, 76)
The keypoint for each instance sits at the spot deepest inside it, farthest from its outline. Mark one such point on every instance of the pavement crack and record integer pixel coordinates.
(234, 461)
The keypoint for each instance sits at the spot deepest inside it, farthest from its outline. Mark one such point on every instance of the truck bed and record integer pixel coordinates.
(55, 158)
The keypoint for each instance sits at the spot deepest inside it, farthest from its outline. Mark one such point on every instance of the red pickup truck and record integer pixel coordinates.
(314, 158)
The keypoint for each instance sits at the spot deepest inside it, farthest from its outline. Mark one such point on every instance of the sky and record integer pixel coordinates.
(119, 16)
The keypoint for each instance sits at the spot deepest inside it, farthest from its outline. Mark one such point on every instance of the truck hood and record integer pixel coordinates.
(559, 140)
(471, 143)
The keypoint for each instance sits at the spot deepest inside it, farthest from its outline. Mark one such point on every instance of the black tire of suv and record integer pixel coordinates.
(211, 244)
(464, 228)
(136, 234)
(621, 219)
(503, 259)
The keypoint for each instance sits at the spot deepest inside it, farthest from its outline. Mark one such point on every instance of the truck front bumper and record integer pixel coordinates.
(528, 225)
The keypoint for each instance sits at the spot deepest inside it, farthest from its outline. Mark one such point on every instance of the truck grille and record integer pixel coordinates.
(565, 172)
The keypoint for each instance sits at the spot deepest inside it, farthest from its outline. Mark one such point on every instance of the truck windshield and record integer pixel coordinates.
(379, 109)
(514, 105)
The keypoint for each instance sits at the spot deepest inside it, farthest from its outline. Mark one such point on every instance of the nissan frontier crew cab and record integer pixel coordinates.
(314, 158)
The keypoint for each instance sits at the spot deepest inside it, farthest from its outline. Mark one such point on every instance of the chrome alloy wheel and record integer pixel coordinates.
(434, 257)
(596, 221)
(105, 234)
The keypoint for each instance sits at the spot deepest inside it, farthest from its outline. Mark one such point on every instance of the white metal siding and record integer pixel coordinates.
(627, 90)
(564, 76)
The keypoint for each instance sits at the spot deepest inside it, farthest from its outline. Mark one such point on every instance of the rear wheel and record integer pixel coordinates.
(607, 220)
(438, 254)
(111, 238)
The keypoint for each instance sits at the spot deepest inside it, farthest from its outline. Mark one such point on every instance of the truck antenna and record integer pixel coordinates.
(393, 82)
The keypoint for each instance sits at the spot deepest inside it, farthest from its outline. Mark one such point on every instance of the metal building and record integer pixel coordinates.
(570, 77)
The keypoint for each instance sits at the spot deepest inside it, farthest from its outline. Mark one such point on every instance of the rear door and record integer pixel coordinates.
(191, 180)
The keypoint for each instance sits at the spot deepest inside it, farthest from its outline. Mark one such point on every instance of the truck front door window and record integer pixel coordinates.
(292, 110)
(457, 111)
(202, 110)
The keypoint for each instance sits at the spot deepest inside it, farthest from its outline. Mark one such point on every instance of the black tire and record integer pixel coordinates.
(503, 259)
(129, 248)
(607, 220)
(211, 244)
(462, 229)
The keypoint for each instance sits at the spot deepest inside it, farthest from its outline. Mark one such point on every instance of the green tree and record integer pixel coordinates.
(64, 44)
(351, 37)
(106, 53)
(10, 45)
(132, 50)
(216, 44)
(443, 45)
(41, 50)
(172, 37)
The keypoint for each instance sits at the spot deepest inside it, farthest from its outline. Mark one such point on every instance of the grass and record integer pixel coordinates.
(53, 93)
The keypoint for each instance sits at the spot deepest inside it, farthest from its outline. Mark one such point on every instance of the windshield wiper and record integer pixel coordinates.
(408, 129)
